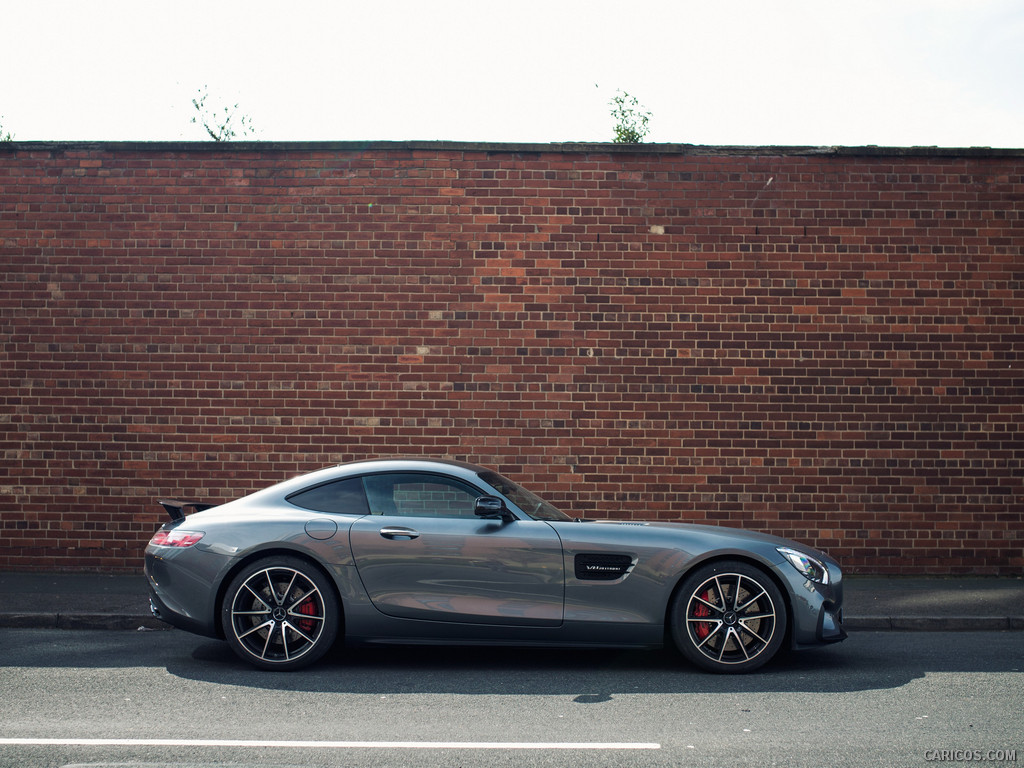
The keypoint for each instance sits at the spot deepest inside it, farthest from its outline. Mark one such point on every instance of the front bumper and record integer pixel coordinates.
(831, 630)
(817, 609)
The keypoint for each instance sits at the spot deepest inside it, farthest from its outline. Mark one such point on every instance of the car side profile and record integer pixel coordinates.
(443, 552)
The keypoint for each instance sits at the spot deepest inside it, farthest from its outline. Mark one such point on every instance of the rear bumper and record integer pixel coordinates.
(176, 595)
(165, 613)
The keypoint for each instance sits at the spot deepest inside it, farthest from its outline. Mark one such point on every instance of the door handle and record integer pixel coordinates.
(398, 533)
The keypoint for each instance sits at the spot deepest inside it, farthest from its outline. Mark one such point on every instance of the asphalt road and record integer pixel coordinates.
(172, 699)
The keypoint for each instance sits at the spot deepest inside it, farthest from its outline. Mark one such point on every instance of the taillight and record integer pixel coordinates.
(176, 538)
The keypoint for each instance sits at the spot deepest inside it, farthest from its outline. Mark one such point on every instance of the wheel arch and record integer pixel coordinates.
(259, 554)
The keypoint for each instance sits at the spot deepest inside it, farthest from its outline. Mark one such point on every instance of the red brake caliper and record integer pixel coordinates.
(308, 608)
(700, 612)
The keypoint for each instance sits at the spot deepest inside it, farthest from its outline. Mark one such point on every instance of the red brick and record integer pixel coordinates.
(835, 359)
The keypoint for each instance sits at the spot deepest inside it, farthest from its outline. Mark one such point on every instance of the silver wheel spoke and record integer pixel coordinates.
(749, 631)
(284, 640)
(721, 594)
(718, 626)
(270, 585)
(739, 642)
(287, 590)
(305, 596)
(266, 642)
(309, 616)
(741, 608)
(257, 595)
(712, 606)
(265, 625)
(297, 631)
(725, 642)
(736, 593)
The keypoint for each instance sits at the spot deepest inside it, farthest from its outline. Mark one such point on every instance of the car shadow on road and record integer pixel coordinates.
(867, 661)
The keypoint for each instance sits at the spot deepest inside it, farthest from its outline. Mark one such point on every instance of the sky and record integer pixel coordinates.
(946, 73)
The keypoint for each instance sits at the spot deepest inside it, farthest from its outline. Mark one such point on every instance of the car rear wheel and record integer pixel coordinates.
(728, 616)
(280, 613)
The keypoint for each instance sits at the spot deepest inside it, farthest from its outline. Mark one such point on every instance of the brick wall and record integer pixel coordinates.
(825, 345)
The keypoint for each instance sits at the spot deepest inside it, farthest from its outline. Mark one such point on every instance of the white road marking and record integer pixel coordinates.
(510, 745)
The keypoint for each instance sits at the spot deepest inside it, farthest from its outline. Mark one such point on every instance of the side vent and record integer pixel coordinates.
(602, 567)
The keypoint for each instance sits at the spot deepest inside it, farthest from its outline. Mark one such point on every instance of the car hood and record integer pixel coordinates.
(713, 536)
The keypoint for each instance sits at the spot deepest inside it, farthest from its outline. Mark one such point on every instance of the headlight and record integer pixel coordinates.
(812, 569)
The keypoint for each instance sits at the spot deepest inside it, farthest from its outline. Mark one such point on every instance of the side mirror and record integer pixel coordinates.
(492, 508)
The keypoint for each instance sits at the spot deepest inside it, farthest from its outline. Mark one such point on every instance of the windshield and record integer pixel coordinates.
(530, 503)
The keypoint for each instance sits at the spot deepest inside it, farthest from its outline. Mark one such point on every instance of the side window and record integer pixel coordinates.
(415, 495)
(344, 497)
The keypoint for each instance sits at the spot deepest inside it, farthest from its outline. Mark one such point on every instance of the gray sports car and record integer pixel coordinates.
(420, 551)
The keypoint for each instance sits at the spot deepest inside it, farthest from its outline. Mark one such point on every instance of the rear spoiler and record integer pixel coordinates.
(176, 508)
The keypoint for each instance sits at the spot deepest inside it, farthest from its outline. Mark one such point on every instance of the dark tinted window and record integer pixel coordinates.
(342, 496)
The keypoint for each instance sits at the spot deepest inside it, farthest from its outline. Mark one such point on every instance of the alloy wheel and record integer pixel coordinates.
(729, 617)
(278, 615)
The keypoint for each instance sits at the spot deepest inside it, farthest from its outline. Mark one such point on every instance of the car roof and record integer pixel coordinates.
(460, 469)
(401, 463)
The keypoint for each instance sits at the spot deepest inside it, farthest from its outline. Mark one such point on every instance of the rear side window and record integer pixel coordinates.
(344, 497)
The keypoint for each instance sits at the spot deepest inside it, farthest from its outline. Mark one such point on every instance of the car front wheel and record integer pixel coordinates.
(728, 616)
(280, 613)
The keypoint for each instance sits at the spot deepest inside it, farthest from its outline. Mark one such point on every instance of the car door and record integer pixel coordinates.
(423, 554)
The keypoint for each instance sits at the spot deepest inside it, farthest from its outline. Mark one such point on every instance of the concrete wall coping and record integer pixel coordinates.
(508, 148)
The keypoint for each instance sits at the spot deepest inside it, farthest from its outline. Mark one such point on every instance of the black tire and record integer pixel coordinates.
(280, 613)
(728, 616)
